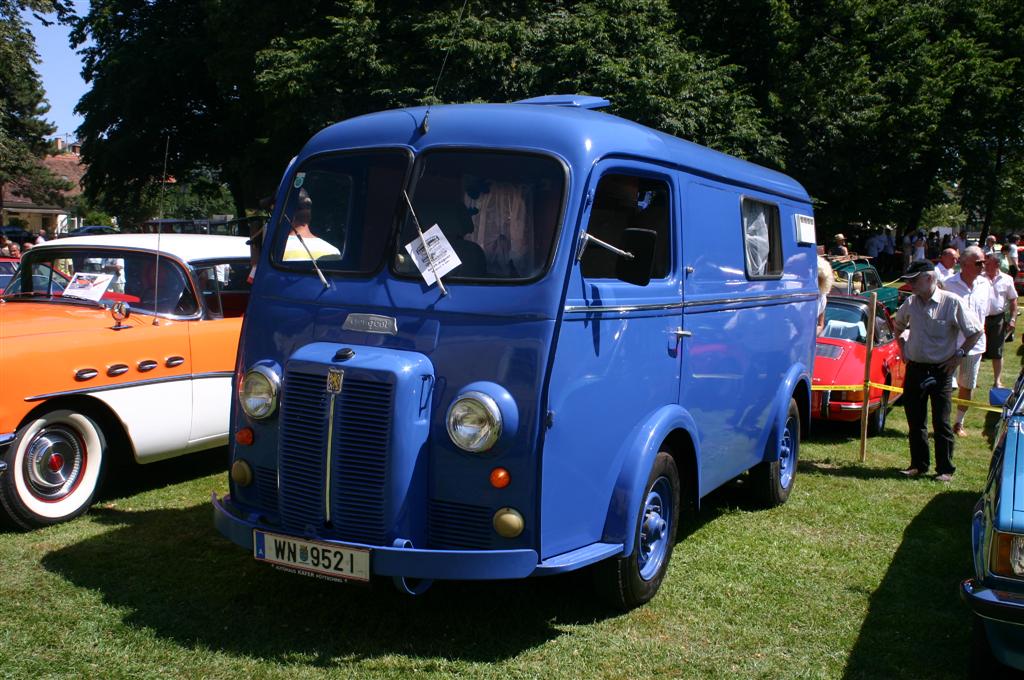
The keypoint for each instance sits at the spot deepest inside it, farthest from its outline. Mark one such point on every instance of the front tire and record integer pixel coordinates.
(54, 467)
(772, 480)
(630, 581)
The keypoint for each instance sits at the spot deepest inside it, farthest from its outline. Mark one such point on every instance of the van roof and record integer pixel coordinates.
(578, 134)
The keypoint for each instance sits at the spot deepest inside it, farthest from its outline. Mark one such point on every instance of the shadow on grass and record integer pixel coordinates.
(128, 479)
(170, 572)
(916, 626)
(854, 470)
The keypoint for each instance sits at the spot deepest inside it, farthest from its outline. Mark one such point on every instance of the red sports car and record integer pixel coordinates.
(839, 360)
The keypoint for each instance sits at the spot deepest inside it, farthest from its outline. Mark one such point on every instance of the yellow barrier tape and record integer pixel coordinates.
(899, 390)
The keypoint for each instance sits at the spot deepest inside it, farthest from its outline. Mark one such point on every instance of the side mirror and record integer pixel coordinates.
(640, 243)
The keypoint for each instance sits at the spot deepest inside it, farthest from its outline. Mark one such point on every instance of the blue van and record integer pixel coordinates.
(494, 341)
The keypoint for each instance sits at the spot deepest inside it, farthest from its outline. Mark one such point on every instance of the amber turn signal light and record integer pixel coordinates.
(245, 437)
(500, 478)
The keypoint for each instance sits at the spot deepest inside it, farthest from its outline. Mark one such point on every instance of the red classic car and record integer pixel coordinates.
(839, 360)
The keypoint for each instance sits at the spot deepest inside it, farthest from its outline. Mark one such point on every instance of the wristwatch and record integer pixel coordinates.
(960, 353)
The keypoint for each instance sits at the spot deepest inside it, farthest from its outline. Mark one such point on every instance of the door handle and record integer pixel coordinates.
(680, 333)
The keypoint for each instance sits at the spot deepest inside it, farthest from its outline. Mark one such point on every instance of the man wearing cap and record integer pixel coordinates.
(933, 319)
(976, 291)
(839, 247)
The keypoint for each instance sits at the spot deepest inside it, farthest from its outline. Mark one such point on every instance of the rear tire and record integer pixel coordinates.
(630, 581)
(772, 480)
(54, 466)
(877, 418)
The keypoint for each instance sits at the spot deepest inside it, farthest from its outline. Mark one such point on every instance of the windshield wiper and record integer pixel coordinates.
(426, 247)
(316, 267)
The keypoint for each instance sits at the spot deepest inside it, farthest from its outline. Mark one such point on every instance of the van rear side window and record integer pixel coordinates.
(623, 202)
(762, 239)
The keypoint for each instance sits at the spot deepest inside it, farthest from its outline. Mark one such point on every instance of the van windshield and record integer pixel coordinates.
(498, 210)
(341, 211)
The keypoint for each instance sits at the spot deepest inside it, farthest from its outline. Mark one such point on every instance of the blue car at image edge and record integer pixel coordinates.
(996, 593)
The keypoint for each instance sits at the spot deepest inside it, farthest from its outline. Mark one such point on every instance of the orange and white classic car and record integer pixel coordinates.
(110, 346)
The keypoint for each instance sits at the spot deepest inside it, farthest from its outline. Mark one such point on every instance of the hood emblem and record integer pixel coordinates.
(371, 323)
(335, 376)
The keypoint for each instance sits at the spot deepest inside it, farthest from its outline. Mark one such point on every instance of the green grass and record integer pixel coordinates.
(855, 577)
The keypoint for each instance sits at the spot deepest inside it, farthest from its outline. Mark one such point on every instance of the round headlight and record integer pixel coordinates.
(474, 422)
(258, 394)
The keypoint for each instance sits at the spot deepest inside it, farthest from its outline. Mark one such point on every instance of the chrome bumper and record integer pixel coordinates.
(995, 605)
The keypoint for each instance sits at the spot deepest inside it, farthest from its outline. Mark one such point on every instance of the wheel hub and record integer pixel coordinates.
(54, 461)
(654, 530)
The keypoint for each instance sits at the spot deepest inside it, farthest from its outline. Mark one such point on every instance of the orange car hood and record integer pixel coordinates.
(18, 319)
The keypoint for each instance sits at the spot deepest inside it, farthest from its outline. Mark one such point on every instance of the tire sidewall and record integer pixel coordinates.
(19, 501)
(793, 424)
(638, 589)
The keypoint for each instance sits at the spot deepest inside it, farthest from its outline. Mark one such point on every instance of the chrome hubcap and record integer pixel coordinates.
(787, 456)
(54, 461)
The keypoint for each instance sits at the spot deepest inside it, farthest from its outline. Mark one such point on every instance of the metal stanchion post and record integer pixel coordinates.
(872, 312)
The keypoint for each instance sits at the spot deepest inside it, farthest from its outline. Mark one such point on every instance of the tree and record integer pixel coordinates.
(23, 130)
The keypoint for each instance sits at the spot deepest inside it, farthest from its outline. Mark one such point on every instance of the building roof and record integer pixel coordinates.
(65, 165)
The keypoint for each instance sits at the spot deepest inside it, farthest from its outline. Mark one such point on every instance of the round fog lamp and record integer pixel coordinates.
(508, 523)
(474, 422)
(258, 393)
(241, 473)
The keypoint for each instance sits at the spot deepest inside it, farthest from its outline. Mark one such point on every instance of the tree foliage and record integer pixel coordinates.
(877, 106)
(23, 130)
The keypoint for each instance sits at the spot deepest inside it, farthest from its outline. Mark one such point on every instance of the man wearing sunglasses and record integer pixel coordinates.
(976, 291)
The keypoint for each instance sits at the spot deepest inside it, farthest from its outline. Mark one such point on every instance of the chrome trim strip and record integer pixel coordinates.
(327, 462)
(571, 309)
(7, 438)
(134, 383)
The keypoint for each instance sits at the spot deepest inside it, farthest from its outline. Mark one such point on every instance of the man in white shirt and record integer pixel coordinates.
(1002, 300)
(959, 242)
(946, 268)
(976, 292)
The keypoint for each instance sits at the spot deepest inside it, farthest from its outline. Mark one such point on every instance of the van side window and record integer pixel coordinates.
(762, 238)
(623, 202)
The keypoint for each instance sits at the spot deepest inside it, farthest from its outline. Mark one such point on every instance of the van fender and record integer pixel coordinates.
(797, 382)
(637, 455)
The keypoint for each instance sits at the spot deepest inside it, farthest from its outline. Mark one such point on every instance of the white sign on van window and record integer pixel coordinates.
(88, 286)
(805, 230)
(441, 252)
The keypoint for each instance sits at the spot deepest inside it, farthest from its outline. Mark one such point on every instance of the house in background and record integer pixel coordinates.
(66, 162)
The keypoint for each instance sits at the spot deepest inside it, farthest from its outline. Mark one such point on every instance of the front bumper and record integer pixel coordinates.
(396, 561)
(994, 605)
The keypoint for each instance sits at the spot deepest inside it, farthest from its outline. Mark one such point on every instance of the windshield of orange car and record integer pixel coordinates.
(105, 276)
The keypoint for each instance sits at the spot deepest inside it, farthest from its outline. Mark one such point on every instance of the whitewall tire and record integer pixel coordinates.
(53, 469)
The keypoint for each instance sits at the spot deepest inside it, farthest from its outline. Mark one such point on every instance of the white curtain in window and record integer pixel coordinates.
(503, 227)
(755, 232)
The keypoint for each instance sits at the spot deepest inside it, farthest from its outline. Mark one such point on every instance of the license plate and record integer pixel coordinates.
(325, 560)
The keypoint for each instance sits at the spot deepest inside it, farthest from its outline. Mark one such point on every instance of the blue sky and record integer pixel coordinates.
(61, 71)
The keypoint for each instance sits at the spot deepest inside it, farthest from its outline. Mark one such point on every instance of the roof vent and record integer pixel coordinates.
(578, 101)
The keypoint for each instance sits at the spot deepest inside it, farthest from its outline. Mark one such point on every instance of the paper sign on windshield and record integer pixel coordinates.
(88, 286)
(441, 252)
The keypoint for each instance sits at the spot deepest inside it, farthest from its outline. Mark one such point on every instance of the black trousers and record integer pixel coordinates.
(924, 382)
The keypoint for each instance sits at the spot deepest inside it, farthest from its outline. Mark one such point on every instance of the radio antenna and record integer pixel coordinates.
(425, 125)
(159, 229)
